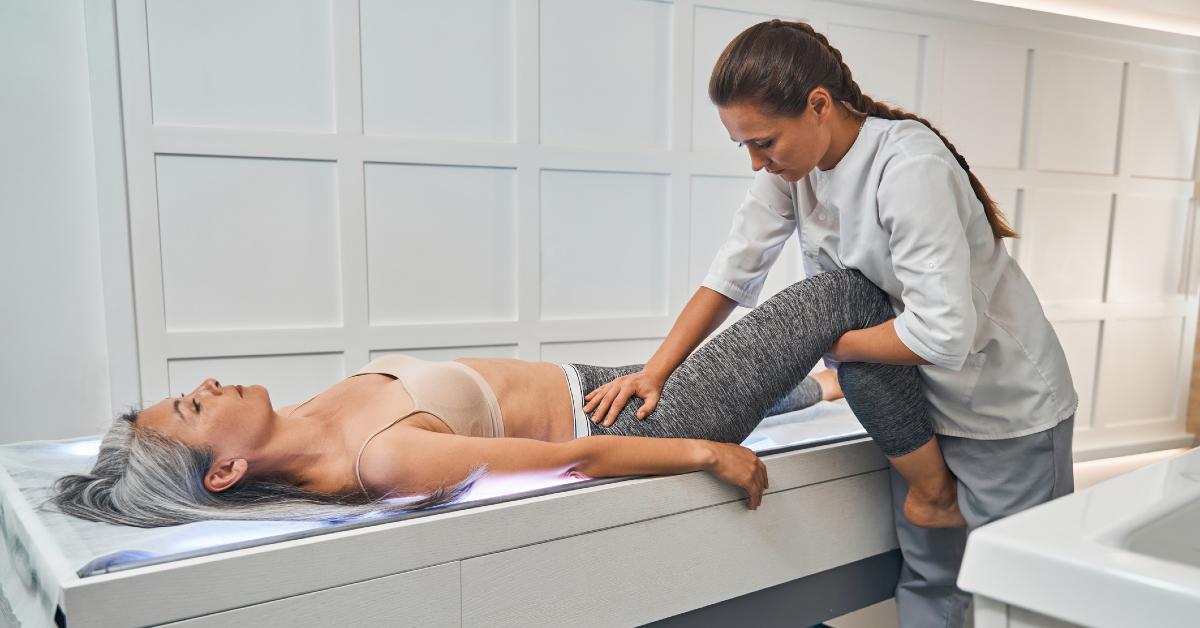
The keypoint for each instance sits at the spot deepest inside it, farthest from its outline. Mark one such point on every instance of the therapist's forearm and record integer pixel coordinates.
(704, 312)
(878, 345)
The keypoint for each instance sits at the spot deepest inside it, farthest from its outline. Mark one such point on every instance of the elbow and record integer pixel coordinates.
(946, 346)
(580, 455)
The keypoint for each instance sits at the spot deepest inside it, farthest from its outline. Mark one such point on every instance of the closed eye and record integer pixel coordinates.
(760, 144)
(196, 404)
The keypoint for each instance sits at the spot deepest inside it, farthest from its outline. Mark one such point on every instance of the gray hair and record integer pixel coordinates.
(144, 479)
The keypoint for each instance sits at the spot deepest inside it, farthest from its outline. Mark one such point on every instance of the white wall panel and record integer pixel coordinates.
(713, 30)
(1139, 370)
(439, 70)
(604, 244)
(984, 82)
(248, 243)
(1066, 243)
(441, 243)
(55, 371)
(605, 72)
(601, 352)
(236, 63)
(1147, 248)
(885, 64)
(451, 353)
(287, 378)
(1081, 343)
(715, 200)
(1079, 108)
(1164, 124)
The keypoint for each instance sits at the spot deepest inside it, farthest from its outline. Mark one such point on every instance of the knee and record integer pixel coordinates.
(869, 304)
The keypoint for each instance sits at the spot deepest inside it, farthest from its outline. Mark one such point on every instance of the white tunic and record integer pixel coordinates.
(899, 209)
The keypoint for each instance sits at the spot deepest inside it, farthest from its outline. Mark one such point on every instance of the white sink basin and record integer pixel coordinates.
(1173, 535)
(1125, 552)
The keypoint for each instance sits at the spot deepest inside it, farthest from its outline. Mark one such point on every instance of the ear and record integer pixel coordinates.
(821, 102)
(225, 473)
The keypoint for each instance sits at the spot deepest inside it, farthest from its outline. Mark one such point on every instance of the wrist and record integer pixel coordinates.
(658, 370)
(705, 454)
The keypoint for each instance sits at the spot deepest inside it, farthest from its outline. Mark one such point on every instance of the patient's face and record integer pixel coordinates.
(232, 420)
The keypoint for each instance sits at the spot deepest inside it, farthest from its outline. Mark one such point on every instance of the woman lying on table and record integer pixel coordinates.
(402, 426)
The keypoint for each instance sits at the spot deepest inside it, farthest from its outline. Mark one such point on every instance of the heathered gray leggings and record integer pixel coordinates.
(756, 366)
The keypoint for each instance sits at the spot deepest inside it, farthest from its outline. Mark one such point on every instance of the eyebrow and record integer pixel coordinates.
(756, 140)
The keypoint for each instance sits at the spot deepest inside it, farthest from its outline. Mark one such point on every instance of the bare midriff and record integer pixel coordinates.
(534, 398)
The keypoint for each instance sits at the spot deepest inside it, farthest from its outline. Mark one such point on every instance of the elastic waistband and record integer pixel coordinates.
(581, 420)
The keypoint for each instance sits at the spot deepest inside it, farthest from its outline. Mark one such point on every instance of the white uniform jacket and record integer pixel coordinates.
(899, 209)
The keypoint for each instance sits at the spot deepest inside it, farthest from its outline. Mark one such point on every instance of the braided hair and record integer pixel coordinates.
(776, 64)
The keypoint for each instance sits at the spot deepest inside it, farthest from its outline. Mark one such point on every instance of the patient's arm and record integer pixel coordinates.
(414, 461)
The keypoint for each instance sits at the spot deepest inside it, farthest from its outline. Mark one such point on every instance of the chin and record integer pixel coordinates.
(255, 388)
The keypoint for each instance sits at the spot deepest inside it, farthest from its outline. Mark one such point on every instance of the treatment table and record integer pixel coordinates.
(679, 550)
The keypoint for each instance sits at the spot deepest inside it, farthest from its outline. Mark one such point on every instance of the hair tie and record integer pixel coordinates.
(962, 161)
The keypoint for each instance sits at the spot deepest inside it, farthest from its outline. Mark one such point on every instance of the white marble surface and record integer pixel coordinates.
(1125, 552)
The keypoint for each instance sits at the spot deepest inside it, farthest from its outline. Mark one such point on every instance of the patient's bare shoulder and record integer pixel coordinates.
(414, 460)
(411, 460)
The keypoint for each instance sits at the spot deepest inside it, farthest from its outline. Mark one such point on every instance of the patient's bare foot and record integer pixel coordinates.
(830, 388)
(938, 511)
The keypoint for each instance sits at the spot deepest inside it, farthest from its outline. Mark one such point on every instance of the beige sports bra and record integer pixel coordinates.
(452, 392)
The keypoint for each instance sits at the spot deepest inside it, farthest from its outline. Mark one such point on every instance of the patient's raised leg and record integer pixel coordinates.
(724, 388)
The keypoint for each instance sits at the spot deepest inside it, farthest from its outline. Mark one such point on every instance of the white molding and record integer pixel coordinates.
(352, 210)
(112, 205)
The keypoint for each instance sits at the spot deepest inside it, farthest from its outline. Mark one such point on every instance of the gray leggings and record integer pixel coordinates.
(756, 368)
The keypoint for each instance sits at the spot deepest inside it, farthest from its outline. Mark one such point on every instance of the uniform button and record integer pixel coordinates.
(822, 216)
(930, 264)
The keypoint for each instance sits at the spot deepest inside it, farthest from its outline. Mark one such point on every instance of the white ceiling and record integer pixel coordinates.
(1175, 16)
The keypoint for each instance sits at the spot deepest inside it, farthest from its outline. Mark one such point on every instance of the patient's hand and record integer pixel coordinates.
(741, 467)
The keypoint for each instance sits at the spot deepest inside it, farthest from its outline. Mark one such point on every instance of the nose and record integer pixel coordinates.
(758, 160)
(211, 386)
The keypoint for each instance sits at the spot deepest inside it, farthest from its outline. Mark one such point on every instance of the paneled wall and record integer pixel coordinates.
(52, 327)
(547, 180)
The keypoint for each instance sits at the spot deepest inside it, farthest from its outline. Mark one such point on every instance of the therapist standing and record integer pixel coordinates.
(880, 190)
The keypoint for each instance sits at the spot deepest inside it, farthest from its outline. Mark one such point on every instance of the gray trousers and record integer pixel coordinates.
(996, 478)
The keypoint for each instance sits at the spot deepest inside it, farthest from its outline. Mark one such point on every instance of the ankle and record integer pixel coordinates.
(937, 491)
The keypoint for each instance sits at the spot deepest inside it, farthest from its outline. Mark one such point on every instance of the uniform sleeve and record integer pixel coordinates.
(924, 209)
(761, 227)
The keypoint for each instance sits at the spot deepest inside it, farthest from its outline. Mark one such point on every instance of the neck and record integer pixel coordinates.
(300, 449)
(844, 128)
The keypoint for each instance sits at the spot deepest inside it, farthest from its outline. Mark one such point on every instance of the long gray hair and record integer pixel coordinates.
(144, 479)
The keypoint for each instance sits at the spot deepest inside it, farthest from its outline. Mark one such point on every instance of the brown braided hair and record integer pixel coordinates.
(776, 64)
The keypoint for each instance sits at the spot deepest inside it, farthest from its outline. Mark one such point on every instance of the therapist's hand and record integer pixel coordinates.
(609, 399)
